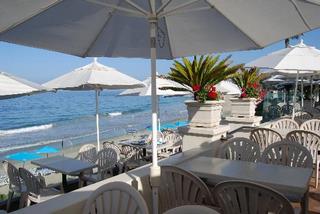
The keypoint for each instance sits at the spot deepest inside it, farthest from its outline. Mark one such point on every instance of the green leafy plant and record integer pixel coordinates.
(249, 80)
(200, 75)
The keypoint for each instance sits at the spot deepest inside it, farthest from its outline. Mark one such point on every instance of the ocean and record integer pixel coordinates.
(69, 116)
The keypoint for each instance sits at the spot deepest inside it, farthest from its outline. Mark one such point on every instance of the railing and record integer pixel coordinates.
(74, 201)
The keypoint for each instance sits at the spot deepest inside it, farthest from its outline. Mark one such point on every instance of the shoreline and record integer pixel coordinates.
(71, 151)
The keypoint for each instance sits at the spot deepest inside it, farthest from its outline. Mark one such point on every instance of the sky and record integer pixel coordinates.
(41, 65)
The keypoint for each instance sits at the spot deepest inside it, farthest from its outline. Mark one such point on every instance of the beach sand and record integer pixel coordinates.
(55, 179)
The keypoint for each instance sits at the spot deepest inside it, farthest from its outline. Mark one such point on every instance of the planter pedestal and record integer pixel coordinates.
(204, 124)
(250, 121)
(195, 137)
(243, 111)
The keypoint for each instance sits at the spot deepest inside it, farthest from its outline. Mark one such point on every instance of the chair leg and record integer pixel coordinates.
(10, 195)
(23, 198)
(317, 175)
(28, 202)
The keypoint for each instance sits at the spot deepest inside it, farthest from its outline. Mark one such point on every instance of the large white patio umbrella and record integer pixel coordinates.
(11, 86)
(97, 77)
(297, 59)
(154, 29)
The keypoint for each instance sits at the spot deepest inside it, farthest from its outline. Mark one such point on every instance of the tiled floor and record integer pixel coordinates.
(314, 198)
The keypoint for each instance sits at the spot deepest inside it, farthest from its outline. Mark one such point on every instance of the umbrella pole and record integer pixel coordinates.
(97, 119)
(154, 169)
(302, 104)
(295, 94)
(311, 90)
(158, 110)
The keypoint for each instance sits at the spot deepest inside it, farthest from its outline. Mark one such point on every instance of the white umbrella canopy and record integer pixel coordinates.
(299, 59)
(120, 28)
(275, 79)
(11, 86)
(94, 76)
(154, 29)
(228, 87)
(160, 83)
(225, 87)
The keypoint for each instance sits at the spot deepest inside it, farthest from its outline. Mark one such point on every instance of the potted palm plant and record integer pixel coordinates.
(248, 80)
(200, 76)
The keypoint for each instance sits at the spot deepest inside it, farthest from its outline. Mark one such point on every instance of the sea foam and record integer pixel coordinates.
(114, 114)
(25, 129)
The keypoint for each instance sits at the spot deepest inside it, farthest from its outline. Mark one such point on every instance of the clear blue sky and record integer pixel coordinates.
(41, 65)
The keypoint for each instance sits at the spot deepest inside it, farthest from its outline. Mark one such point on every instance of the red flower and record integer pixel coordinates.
(213, 95)
(255, 85)
(213, 88)
(243, 89)
(243, 95)
(196, 88)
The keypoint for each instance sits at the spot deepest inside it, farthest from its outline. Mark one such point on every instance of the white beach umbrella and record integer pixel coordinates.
(297, 59)
(94, 76)
(228, 87)
(154, 29)
(275, 79)
(11, 86)
(160, 83)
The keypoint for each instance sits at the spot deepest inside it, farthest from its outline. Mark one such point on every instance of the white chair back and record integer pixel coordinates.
(246, 197)
(240, 149)
(115, 198)
(312, 125)
(287, 153)
(285, 124)
(264, 137)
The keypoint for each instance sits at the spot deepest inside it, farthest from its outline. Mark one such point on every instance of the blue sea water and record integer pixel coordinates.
(70, 116)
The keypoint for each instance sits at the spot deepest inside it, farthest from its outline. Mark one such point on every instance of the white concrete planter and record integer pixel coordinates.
(206, 114)
(243, 107)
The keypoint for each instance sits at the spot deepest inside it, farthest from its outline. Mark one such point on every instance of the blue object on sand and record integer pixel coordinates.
(24, 156)
(170, 125)
(181, 123)
(47, 150)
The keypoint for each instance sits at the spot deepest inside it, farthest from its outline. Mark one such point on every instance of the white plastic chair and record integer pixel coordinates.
(88, 153)
(36, 188)
(264, 137)
(133, 157)
(15, 184)
(302, 116)
(287, 153)
(175, 142)
(115, 198)
(240, 149)
(191, 209)
(173, 189)
(311, 141)
(112, 145)
(285, 124)
(106, 161)
(240, 197)
(312, 125)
